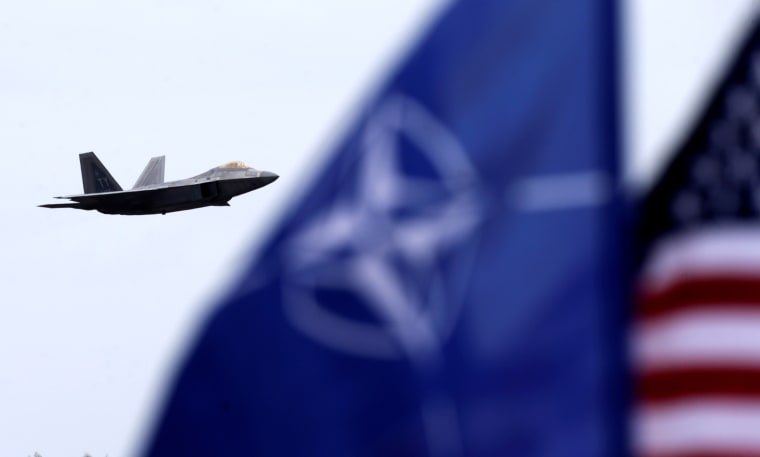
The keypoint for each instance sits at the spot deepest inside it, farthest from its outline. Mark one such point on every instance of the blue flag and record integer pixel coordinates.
(449, 284)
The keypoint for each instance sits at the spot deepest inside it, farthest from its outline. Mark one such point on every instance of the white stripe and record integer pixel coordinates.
(713, 337)
(730, 249)
(704, 426)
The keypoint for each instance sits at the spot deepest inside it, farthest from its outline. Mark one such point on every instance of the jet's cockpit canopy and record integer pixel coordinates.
(235, 164)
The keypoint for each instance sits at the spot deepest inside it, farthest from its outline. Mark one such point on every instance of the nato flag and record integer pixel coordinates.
(449, 283)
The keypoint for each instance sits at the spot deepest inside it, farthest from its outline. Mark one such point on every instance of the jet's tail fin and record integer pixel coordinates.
(152, 174)
(95, 177)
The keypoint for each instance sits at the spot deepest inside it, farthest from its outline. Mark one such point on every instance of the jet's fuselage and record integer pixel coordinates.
(176, 196)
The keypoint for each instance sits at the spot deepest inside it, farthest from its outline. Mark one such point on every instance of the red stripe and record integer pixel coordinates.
(700, 292)
(681, 383)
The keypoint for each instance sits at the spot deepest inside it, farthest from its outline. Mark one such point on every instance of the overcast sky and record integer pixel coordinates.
(95, 309)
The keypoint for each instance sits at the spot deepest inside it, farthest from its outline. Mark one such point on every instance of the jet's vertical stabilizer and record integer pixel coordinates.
(152, 174)
(95, 177)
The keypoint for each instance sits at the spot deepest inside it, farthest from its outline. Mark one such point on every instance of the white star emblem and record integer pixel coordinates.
(384, 241)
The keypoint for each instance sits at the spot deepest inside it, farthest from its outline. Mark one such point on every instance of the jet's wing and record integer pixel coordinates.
(152, 174)
(124, 199)
(115, 197)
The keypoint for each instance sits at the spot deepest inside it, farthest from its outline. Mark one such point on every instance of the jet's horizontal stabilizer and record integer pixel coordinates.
(95, 177)
(61, 205)
(152, 174)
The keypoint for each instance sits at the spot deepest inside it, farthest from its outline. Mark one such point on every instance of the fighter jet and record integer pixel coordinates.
(151, 195)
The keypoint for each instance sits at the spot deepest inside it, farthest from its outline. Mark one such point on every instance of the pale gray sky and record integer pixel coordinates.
(94, 308)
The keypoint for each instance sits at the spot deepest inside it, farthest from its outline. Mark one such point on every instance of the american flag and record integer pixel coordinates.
(696, 340)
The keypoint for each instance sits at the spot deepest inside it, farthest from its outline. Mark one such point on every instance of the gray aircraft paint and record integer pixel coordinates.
(153, 173)
(151, 195)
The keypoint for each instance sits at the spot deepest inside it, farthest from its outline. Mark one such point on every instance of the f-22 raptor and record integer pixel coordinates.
(151, 195)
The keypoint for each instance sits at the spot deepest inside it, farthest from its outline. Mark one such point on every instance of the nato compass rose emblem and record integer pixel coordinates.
(382, 270)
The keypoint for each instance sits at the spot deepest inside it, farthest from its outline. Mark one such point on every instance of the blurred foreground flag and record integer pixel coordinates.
(449, 282)
(697, 340)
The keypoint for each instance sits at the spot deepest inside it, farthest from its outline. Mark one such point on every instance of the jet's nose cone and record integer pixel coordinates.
(268, 176)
